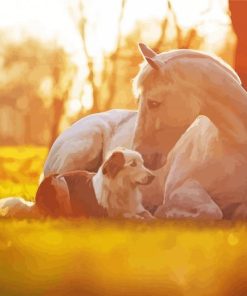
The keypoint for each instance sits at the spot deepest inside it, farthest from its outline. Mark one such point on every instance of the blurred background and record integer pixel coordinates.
(61, 60)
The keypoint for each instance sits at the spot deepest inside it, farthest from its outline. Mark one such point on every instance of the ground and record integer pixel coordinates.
(98, 257)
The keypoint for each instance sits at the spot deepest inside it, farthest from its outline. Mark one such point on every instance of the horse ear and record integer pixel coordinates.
(148, 54)
(156, 65)
(146, 51)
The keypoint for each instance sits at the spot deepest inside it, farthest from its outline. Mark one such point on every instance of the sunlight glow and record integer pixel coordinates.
(52, 20)
(73, 106)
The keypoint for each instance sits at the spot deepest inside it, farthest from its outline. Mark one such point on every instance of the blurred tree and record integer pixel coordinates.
(238, 9)
(189, 38)
(104, 85)
(36, 81)
(62, 73)
(110, 84)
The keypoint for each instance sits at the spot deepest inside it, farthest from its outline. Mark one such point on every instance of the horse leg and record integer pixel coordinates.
(190, 200)
(240, 213)
(188, 159)
(195, 175)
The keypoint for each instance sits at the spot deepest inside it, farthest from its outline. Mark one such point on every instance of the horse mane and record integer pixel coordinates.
(147, 74)
(189, 53)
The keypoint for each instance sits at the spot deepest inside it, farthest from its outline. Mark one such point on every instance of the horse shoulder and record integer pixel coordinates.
(81, 146)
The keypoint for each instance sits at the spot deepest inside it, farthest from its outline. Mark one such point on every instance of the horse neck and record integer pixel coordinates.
(226, 106)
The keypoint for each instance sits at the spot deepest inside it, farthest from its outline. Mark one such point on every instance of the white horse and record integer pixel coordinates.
(85, 144)
(202, 162)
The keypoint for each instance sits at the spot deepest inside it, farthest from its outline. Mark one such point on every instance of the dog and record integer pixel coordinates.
(112, 192)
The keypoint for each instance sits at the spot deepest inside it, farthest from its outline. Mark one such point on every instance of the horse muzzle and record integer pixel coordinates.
(152, 161)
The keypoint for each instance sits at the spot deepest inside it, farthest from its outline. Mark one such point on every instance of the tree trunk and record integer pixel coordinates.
(58, 110)
(238, 10)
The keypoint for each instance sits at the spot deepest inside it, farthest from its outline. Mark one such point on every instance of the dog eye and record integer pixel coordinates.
(153, 104)
(133, 163)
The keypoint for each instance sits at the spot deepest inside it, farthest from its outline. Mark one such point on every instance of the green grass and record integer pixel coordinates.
(99, 257)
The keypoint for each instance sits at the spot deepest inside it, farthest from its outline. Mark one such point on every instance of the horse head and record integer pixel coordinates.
(175, 87)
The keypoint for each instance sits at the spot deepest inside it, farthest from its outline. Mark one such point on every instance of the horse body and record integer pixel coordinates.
(184, 87)
(200, 162)
(84, 145)
(206, 177)
(205, 165)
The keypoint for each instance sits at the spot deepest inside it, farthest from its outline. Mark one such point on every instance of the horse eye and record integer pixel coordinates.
(153, 104)
(133, 163)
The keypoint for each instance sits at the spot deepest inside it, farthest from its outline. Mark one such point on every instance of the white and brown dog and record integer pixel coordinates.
(113, 191)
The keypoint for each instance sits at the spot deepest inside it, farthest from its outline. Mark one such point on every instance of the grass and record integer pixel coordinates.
(20, 168)
(100, 257)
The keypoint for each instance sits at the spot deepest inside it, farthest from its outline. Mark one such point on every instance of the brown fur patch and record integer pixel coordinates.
(114, 164)
(47, 197)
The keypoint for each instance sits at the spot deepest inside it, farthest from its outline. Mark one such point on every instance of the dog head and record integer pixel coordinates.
(125, 163)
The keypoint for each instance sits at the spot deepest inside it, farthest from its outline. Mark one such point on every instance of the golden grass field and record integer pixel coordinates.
(97, 257)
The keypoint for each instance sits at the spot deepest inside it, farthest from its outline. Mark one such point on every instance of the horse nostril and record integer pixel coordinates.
(154, 161)
(150, 179)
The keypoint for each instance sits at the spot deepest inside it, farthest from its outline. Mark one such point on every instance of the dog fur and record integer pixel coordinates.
(113, 191)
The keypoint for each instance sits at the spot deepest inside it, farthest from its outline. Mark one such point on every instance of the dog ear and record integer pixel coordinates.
(113, 164)
(50, 197)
